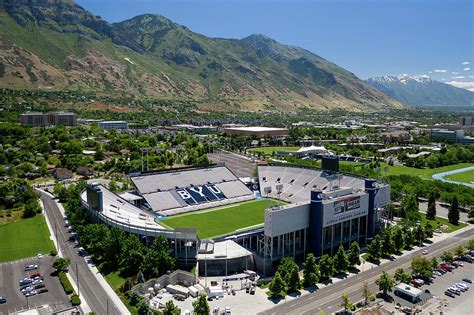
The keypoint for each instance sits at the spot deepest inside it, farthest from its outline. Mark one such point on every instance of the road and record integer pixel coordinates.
(89, 287)
(328, 298)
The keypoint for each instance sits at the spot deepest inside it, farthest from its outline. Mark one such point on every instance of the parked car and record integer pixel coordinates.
(31, 267)
(31, 293)
(40, 256)
(3, 300)
(34, 275)
(25, 281)
(425, 252)
(417, 282)
(467, 280)
(462, 286)
(455, 290)
(39, 286)
(42, 291)
(449, 293)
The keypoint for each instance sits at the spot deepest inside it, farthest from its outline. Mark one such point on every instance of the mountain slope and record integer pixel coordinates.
(56, 44)
(422, 91)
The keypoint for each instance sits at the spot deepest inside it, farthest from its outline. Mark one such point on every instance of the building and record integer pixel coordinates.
(119, 124)
(465, 121)
(48, 119)
(408, 292)
(396, 136)
(62, 174)
(260, 132)
(456, 136)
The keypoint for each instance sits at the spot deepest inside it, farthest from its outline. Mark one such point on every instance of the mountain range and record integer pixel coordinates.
(56, 44)
(422, 91)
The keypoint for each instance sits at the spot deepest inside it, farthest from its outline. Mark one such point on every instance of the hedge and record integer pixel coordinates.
(65, 283)
(75, 300)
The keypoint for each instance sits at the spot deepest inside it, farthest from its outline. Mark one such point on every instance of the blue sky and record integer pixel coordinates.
(367, 37)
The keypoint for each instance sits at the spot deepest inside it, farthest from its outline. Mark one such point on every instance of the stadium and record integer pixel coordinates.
(223, 226)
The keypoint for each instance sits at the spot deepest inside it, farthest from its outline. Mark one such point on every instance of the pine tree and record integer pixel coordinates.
(294, 282)
(201, 307)
(453, 213)
(171, 309)
(340, 261)
(277, 286)
(354, 254)
(431, 212)
(326, 267)
(310, 271)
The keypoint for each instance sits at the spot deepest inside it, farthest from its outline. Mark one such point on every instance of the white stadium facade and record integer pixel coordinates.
(324, 210)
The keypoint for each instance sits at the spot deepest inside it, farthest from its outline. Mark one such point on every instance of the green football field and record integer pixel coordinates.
(464, 177)
(24, 238)
(222, 220)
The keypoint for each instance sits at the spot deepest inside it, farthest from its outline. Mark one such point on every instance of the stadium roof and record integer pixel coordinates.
(313, 148)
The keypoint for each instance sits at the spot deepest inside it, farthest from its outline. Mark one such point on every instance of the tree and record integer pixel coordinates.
(143, 309)
(140, 277)
(346, 303)
(434, 263)
(340, 260)
(388, 244)
(60, 191)
(31, 209)
(386, 283)
(421, 266)
(419, 234)
(326, 267)
(171, 309)
(431, 211)
(447, 257)
(354, 254)
(453, 213)
(366, 293)
(201, 307)
(399, 237)
(459, 251)
(113, 185)
(402, 276)
(278, 286)
(428, 231)
(310, 271)
(470, 244)
(285, 267)
(61, 264)
(470, 214)
(374, 249)
(294, 282)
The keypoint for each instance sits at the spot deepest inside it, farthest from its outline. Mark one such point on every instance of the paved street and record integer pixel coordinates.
(328, 298)
(90, 288)
(442, 211)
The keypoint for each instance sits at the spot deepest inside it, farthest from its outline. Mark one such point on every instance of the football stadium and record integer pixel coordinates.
(222, 225)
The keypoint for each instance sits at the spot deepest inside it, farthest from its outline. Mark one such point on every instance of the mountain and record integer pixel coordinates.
(422, 91)
(56, 44)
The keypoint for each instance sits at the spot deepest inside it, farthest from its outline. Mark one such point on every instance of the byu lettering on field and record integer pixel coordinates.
(200, 194)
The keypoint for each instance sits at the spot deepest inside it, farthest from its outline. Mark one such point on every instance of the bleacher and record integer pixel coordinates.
(184, 190)
(297, 182)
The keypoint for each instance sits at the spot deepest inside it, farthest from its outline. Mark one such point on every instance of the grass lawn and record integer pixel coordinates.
(423, 173)
(464, 177)
(24, 238)
(222, 220)
(442, 221)
(270, 150)
(115, 280)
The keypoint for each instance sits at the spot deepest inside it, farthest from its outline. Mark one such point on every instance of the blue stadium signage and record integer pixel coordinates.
(200, 194)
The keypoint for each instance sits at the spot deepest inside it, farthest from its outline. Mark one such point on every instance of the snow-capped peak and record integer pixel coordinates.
(402, 78)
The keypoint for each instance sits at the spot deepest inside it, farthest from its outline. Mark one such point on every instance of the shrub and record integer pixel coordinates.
(67, 286)
(53, 252)
(75, 300)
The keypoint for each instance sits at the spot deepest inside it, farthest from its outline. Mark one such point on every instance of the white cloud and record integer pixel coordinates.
(459, 77)
(440, 70)
(455, 72)
(463, 85)
(471, 76)
(443, 79)
(430, 71)
(467, 69)
(465, 63)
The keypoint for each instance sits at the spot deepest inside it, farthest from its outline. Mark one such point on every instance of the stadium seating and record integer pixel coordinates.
(297, 182)
(179, 191)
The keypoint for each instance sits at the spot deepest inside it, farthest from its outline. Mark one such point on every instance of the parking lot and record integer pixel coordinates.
(12, 272)
(460, 304)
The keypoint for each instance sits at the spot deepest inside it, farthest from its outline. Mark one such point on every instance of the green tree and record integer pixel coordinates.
(140, 277)
(326, 267)
(402, 276)
(294, 282)
(31, 209)
(421, 266)
(340, 260)
(434, 263)
(470, 215)
(470, 244)
(60, 191)
(278, 286)
(354, 254)
(201, 307)
(431, 211)
(113, 185)
(285, 267)
(171, 309)
(366, 292)
(428, 231)
(388, 243)
(346, 303)
(386, 283)
(447, 257)
(374, 249)
(310, 271)
(61, 264)
(459, 251)
(399, 238)
(453, 213)
(143, 309)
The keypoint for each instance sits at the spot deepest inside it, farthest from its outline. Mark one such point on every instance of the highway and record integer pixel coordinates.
(328, 298)
(89, 287)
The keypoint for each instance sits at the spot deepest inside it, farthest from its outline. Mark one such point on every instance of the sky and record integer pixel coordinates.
(367, 37)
